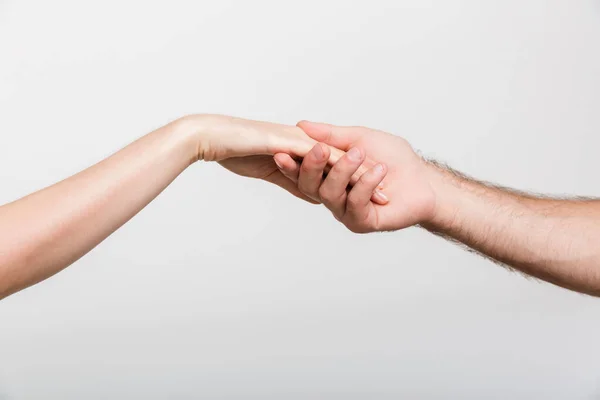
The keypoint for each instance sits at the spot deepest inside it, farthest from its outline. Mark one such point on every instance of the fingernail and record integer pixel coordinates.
(379, 169)
(277, 163)
(354, 154)
(318, 151)
(381, 196)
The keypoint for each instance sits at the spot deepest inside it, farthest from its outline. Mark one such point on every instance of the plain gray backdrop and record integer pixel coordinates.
(230, 288)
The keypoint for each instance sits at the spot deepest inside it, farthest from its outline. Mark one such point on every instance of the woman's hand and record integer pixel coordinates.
(46, 231)
(263, 167)
(245, 147)
(220, 137)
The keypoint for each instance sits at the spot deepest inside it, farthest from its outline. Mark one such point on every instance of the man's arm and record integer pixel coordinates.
(557, 240)
(552, 239)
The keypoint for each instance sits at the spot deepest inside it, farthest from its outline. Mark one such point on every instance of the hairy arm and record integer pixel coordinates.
(552, 239)
(557, 240)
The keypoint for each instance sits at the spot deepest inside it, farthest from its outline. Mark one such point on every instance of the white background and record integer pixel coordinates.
(229, 288)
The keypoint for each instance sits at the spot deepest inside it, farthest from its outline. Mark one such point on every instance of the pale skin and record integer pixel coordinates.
(551, 239)
(48, 230)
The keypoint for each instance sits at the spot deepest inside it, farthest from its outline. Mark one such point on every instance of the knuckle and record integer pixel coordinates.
(343, 168)
(306, 189)
(365, 178)
(353, 201)
(302, 186)
(324, 192)
(339, 165)
(369, 180)
(306, 167)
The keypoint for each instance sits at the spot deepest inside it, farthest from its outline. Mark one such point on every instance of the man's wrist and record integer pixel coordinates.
(447, 187)
(460, 200)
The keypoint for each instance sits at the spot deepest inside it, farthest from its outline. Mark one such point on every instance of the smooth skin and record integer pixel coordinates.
(551, 239)
(48, 230)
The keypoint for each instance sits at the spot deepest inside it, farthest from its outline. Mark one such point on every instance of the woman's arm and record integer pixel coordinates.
(48, 230)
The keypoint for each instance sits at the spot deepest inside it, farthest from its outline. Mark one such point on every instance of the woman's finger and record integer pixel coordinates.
(284, 182)
(288, 166)
(311, 171)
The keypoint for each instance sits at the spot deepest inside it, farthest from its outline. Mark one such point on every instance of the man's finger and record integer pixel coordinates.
(289, 167)
(337, 154)
(311, 171)
(367, 163)
(340, 139)
(333, 189)
(358, 202)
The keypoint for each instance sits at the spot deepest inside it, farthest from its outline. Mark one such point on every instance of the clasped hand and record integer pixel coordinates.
(370, 180)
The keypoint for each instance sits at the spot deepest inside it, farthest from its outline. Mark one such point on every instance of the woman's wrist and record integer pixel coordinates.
(214, 137)
(191, 132)
(210, 136)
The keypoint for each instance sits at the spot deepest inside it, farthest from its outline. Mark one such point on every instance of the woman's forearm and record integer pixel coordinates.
(48, 230)
(552, 239)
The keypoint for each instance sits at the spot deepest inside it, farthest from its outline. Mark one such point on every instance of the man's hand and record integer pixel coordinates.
(400, 177)
(552, 239)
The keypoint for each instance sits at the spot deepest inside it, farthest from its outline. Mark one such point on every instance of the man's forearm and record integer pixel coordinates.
(552, 239)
